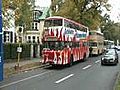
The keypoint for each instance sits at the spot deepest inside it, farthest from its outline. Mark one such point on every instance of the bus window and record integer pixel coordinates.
(92, 33)
(93, 43)
(76, 44)
(47, 23)
(66, 44)
(54, 45)
(84, 29)
(71, 44)
(45, 45)
(59, 45)
(53, 22)
(57, 22)
(85, 44)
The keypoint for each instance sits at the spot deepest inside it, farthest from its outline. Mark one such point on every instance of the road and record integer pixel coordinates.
(88, 75)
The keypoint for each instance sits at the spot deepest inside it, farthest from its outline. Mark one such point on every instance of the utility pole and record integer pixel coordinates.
(1, 44)
(19, 48)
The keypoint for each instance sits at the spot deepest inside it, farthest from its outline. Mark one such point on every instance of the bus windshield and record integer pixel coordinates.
(53, 22)
(54, 45)
(93, 44)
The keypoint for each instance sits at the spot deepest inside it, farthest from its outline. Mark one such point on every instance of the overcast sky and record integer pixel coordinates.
(43, 3)
(114, 13)
(115, 10)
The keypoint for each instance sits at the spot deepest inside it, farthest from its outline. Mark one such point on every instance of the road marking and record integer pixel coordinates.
(87, 67)
(97, 61)
(6, 85)
(64, 78)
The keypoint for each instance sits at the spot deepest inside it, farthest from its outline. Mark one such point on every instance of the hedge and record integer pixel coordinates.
(10, 51)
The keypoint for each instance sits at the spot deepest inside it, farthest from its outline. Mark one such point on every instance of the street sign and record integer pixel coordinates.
(1, 44)
(19, 49)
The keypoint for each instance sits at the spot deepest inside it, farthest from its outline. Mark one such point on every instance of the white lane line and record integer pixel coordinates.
(97, 61)
(87, 67)
(6, 85)
(64, 78)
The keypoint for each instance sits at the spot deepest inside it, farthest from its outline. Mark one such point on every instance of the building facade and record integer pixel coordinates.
(32, 36)
(35, 34)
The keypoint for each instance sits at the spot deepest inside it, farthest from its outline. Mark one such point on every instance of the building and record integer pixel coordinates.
(9, 31)
(35, 34)
(32, 36)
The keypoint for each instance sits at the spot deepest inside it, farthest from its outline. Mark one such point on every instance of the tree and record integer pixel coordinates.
(23, 12)
(87, 12)
(110, 29)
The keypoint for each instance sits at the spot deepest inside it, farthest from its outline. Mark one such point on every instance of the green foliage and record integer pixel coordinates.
(26, 49)
(24, 13)
(111, 30)
(22, 9)
(64, 11)
(10, 52)
(7, 51)
(87, 12)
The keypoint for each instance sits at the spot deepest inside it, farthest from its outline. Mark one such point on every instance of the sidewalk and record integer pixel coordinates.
(21, 63)
(10, 69)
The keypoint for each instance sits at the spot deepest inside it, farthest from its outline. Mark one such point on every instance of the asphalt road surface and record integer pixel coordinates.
(88, 75)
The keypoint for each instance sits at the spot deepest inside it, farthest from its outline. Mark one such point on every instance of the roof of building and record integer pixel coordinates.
(46, 13)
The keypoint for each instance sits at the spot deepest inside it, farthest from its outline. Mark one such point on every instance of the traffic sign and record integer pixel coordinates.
(19, 49)
(1, 44)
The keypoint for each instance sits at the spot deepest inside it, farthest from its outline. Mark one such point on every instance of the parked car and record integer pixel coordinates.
(110, 57)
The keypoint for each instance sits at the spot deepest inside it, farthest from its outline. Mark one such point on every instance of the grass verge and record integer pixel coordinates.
(117, 87)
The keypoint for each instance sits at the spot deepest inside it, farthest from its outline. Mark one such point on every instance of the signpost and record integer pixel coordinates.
(1, 44)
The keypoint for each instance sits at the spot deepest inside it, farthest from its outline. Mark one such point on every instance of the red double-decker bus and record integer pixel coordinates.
(65, 41)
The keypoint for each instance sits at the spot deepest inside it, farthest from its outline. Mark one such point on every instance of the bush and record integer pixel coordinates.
(10, 51)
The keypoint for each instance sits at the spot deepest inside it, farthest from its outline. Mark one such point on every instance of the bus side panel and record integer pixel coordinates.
(77, 52)
(66, 55)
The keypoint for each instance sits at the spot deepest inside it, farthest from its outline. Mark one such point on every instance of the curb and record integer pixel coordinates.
(27, 67)
(116, 81)
(32, 68)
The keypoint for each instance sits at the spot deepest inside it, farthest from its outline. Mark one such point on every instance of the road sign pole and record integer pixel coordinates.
(1, 44)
